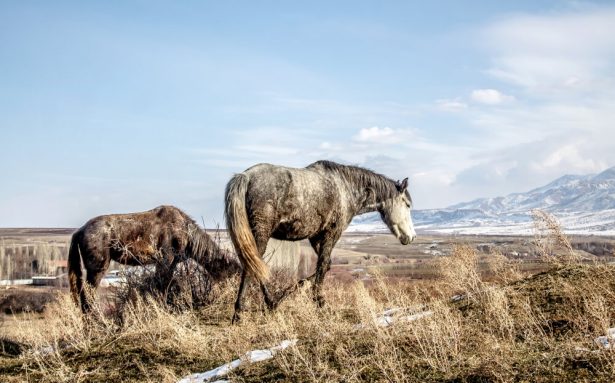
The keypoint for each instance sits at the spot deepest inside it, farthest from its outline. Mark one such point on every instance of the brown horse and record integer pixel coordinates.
(164, 235)
(317, 203)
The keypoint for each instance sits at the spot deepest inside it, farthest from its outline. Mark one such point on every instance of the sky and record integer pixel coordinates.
(121, 106)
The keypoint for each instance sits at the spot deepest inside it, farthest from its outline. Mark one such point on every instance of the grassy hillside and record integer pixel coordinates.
(539, 328)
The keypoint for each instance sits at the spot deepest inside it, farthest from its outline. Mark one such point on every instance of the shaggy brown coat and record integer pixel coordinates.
(164, 235)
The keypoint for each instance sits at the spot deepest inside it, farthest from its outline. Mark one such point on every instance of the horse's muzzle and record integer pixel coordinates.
(406, 239)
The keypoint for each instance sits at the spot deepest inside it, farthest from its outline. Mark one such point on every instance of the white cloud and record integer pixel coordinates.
(569, 157)
(448, 105)
(376, 134)
(490, 96)
(525, 166)
(330, 147)
(554, 51)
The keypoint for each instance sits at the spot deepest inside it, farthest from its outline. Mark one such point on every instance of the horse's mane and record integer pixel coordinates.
(384, 187)
(200, 243)
(206, 251)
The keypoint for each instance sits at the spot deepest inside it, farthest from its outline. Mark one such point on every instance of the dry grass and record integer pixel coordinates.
(540, 329)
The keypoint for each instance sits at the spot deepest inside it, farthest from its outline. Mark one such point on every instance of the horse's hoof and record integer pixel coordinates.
(272, 304)
(236, 318)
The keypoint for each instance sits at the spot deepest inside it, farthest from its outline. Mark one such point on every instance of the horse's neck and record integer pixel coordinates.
(368, 203)
(367, 208)
(364, 197)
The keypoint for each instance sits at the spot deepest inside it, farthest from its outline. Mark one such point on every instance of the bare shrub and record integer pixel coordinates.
(550, 240)
(502, 270)
(26, 301)
(459, 271)
(186, 287)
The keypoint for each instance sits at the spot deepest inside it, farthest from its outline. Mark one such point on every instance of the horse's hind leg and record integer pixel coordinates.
(88, 294)
(271, 303)
(261, 243)
(261, 240)
(238, 303)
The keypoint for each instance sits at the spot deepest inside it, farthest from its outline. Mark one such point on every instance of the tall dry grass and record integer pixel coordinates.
(499, 334)
(501, 329)
(550, 241)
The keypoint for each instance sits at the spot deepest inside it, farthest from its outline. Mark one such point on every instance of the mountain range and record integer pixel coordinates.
(583, 204)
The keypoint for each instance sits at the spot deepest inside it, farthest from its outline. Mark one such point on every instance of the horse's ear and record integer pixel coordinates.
(403, 185)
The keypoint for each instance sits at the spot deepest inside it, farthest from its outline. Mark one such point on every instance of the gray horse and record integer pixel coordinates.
(317, 203)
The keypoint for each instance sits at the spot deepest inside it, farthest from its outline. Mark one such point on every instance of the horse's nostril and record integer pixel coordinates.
(405, 240)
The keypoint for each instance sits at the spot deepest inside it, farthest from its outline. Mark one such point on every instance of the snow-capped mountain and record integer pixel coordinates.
(582, 203)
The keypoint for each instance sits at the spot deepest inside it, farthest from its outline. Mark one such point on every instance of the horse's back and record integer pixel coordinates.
(281, 183)
(296, 202)
(140, 232)
(169, 214)
(161, 216)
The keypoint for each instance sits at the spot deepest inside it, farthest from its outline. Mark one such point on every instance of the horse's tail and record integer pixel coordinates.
(75, 278)
(239, 228)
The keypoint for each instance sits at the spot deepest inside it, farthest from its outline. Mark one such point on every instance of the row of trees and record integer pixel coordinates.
(22, 261)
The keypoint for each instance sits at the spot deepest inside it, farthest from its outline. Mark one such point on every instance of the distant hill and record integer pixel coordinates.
(584, 204)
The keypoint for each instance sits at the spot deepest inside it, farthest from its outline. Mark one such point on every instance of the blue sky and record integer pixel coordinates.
(120, 106)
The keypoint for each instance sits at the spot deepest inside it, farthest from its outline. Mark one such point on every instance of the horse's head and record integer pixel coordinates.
(395, 212)
(223, 264)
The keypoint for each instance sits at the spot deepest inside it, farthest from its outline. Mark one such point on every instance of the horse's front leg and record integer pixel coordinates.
(323, 265)
(165, 267)
(323, 247)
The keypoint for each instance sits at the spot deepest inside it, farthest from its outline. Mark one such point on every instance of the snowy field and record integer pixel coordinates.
(594, 223)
